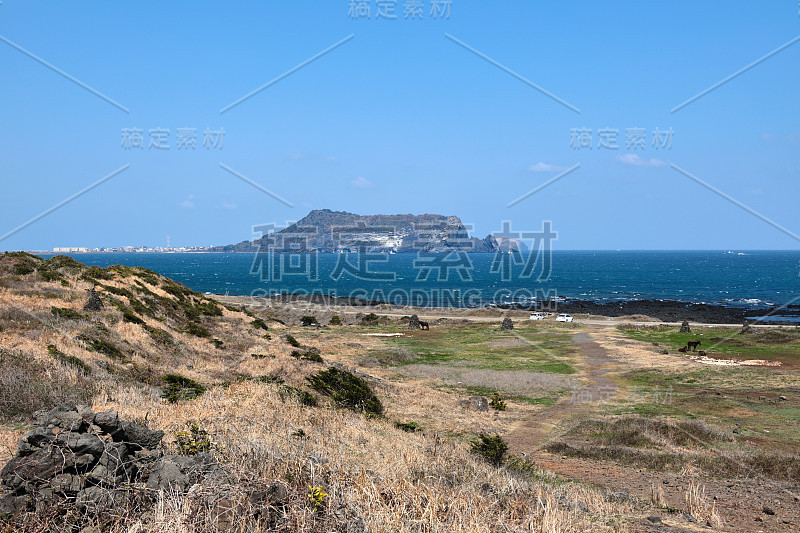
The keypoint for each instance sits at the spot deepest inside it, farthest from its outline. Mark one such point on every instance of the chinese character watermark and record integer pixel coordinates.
(390, 10)
(607, 139)
(159, 139)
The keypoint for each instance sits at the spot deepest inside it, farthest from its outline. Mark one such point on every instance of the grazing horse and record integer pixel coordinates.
(701, 353)
(693, 345)
(682, 350)
(424, 325)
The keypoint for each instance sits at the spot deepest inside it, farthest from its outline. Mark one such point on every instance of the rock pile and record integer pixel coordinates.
(746, 329)
(94, 303)
(413, 322)
(93, 460)
(685, 327)
(507, 324)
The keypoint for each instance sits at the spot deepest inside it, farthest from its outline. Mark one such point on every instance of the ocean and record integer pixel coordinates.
(752, 279)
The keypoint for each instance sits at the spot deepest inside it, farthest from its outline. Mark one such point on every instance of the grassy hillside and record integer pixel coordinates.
(274, 403)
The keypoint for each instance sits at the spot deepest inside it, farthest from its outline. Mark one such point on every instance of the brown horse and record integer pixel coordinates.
(693, 345)
(702, 353)
(424, 325)
(682, 350)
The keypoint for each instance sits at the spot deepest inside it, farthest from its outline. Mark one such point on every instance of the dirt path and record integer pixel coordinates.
(595, 363)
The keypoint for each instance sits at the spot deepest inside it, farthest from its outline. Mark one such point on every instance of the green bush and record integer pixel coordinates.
(193, 441)
(304, 397)
(68, 360)
(101, 346)
(310, 355)
(292, 341)
(270, 379)
(218, 344)
(493, 449)
(48, 274)
(23, 269)
(261, 356)
(259, 324)
(128, 316)
(197, 330)
(94, 273)
(410, 427)
(498, 402)
(346, 390)
(308, 320)
(335, 321)
(181, 388)
(208, 308)
(159, 336)
(69, 314)
(369, 318)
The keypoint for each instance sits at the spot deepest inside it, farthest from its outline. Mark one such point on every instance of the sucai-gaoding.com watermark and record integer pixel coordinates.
(159, 139)
(287, 255)
(609, 139)
(399, 9)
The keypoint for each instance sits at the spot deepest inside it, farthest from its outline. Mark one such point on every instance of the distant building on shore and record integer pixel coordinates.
(71, 249)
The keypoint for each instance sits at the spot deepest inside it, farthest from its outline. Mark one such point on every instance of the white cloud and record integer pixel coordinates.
(229, 205)
(331, 159)
(296, 157)
(187, 203)
(545, 167)
(361, 183)
(635, 160)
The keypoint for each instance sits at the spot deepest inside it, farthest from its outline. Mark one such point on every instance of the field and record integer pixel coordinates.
(605, 431)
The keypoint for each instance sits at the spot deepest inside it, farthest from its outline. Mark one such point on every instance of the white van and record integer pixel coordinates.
(537, 316)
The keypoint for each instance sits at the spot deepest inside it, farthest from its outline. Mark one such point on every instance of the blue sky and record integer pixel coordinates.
(402, 119)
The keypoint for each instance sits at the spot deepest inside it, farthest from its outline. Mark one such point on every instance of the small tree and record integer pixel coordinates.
(308, 320)
(493, 449)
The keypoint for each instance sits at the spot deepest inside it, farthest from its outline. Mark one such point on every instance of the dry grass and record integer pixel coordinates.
(391, 480)
(698, 506)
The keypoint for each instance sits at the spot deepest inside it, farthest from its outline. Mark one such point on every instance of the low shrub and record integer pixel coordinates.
(94, 273)
(346, 390)
(308, 320)
(101, 346)
(409, 427)
(261, 356)
(159, 336)
(68, 360)
(193, 441)
(259, 324)
(497, 402)
(69, 314)
(22, 268)
(181, 388)
(309, 355)
(304, 397)
(218, 344)
(491, 448)
(335, 321)
(197, 330)
(292, 341)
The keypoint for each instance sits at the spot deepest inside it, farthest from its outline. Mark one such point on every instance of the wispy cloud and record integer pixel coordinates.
(361, 183)
(635, 160)
(296, 157)
(229, 205)
(545, 167)
(187, 203)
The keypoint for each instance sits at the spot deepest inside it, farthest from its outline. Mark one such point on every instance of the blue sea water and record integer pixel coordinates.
(754, 279)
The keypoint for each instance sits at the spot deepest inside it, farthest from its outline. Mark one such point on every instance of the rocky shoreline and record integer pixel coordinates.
(665, 310)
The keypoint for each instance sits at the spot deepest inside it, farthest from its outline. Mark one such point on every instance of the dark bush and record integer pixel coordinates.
(181, 388)
(218, 344)
(335, 321)
(159, 336)
(493, 449)
(304, 397)
(498, 402)
(259, 324)
(261, 356)
(346, 390)
(96, 273)
(309, 355)
(68, 360)
(23, 269)
(197, 330)
(101, 346)
(292, 341)
(69, 314)
(49, 275)
(410, 427)
(308, 320)
(369, 318)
